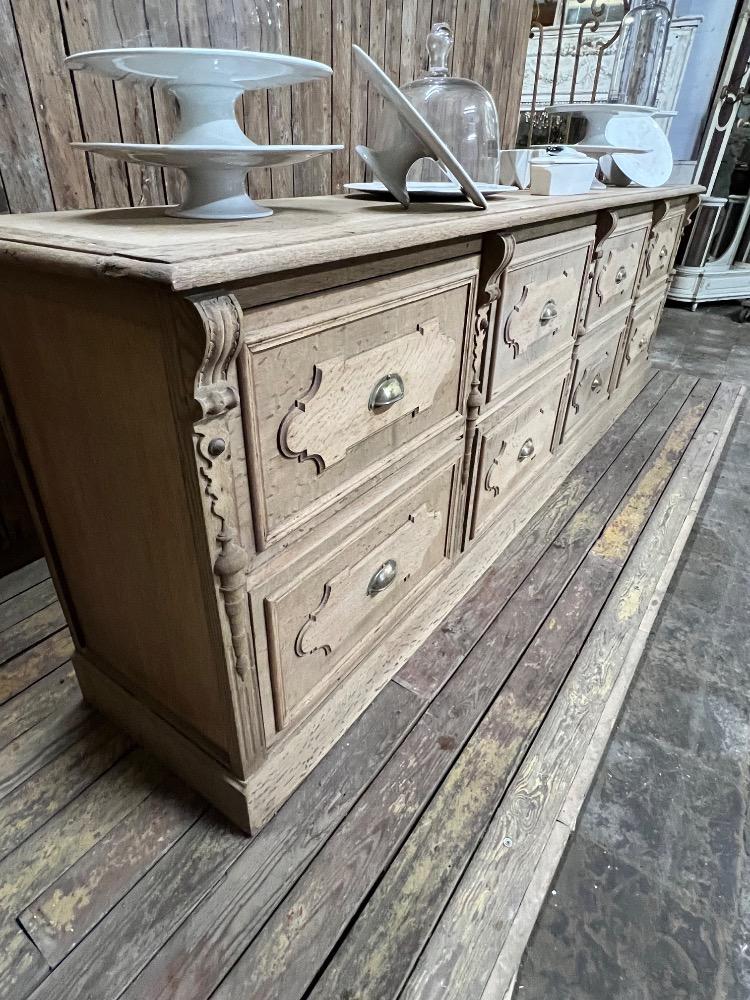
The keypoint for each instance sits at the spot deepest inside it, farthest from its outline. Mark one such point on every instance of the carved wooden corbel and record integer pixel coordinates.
(221, 318)
(606, 223)
(660, 210)
(692, 206)
(499, 250)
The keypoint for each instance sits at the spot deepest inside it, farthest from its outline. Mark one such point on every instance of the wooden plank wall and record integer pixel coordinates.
(43, 108)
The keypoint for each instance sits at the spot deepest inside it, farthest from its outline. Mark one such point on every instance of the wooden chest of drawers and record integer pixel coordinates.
(268, 457)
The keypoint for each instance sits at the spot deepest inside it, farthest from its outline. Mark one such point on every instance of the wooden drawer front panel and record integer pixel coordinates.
(642, 328)
(514, 450)
(337, 396)
(315, 621)
(617, 269)
(662, 249)
(538, 308)
(590, 385)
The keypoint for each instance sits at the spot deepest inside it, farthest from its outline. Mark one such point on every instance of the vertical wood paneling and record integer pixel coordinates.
(342, 74)
(43, 108)
(310, 37)
(124, 23)
(41, 40)
(378, 21)
(170, 25)
(360, 19)
(26, 186)
(98, 106)
(237, 24)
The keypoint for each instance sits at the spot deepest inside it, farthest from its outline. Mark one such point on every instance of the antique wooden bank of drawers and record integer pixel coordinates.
(268, 457)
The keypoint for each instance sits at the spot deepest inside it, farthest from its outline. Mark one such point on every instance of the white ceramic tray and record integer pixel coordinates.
(413, 140)
(431, 190)
(206, 83)
(215, 175)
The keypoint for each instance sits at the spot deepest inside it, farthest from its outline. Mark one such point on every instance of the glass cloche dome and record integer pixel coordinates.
(461, 112)
(640, 54)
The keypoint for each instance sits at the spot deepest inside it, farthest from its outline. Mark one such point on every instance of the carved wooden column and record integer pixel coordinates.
(217, 395)
(497, 254)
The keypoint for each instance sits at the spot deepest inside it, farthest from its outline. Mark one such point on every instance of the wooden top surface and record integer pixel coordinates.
(185, 254)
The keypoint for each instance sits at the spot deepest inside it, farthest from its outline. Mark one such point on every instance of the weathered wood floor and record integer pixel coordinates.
(413, 860)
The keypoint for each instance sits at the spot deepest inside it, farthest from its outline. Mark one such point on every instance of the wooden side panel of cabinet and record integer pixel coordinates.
(19, 542)
(107, 438)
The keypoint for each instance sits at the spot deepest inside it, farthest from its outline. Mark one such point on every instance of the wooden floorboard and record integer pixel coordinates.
(41, 744)
(16, 583)
(74, 903)
(36, 800)
(58, 690)
(29, 631)
(15, 609)
(372, 881)
(34, 663)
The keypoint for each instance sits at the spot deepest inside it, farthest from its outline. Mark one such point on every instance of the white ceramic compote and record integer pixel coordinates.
(209, 148)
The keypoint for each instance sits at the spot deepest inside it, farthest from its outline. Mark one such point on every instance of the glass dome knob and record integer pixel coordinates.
(439, 45)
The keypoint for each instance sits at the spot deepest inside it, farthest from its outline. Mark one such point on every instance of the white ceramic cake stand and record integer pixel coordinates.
(620, 126)
(412, 140)
(215, 175)
(206, 83)
(598, 116)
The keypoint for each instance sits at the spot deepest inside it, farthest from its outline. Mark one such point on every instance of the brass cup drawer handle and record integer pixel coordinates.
(596, 383)
(549, 312)
(527, 450)
(382, 578)
(621, 275)
(387, 391)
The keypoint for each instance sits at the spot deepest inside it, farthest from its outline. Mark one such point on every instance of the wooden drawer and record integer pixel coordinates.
(538, 308)
(642, 327)
(317, 619)
(514, 447)
(662, 249)
(340, 386)
(591, 382)
(617, 268)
